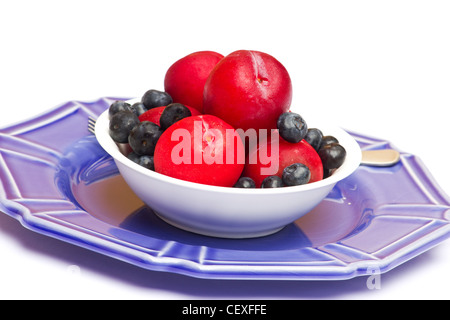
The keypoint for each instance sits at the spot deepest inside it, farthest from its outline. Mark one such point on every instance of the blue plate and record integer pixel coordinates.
(58, 181)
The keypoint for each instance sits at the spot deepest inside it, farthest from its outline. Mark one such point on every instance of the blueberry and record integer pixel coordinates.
(154, 98)
(121, 125)
(245, 182)
(272, 182)
(328, 140)
(118, 106)
(143, 138)
(172, 113)
(327, 173)
(292, 127)
(332, 155)
(133, 156)
(145, 161)
(296, 174)
(314, 138)
(138, 108)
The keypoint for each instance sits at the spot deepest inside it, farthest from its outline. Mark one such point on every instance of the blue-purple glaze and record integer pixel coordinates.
(61, 183)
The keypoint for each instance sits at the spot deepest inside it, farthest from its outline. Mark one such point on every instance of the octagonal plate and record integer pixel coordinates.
(57, 180)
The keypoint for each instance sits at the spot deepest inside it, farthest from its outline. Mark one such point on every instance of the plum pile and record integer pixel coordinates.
(196, 129)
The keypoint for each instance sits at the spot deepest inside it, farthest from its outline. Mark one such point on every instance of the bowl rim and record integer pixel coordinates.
(351, 163)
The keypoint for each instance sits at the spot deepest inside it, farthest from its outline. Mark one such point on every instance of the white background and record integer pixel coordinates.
(381, 68)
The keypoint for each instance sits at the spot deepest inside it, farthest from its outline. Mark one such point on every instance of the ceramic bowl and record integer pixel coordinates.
(221, 211)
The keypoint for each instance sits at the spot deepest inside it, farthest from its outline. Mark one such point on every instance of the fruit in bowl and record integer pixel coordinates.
(248, 89)
(288, 154)
(154, 114)
(185, 79)
(192, 169)
(198, 149)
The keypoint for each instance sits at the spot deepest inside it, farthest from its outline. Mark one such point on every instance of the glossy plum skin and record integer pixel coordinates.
(289, 153)
(186, 78)
(248, 89)
(195, 149)
(153, 115)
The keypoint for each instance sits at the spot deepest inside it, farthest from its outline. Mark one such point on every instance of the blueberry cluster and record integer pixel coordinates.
(331, 153)
(125, 126)
(293, 128)
(294, 175)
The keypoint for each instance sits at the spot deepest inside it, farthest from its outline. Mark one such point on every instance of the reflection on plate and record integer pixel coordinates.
(61, 183)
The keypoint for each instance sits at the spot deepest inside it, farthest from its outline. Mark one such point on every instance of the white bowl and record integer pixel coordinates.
(227, 212)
